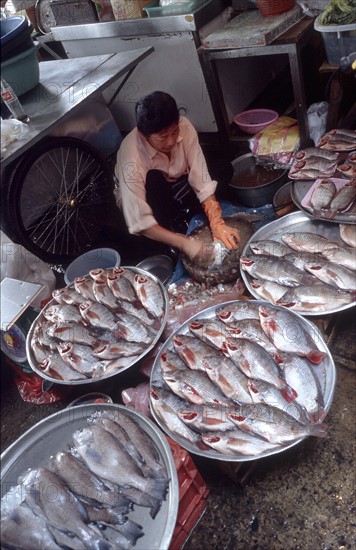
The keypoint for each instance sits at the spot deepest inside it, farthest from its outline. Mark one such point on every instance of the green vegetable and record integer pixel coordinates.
(339, 12)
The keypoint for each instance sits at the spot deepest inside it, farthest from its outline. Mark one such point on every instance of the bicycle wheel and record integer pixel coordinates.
(58, 197)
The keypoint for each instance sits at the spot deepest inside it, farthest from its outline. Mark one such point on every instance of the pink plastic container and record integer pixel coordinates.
(255, 120)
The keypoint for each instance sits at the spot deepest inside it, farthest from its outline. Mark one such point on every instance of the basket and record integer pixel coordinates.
(274, 7)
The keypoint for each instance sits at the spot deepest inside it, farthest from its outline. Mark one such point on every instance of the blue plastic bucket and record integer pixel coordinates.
(99, 257)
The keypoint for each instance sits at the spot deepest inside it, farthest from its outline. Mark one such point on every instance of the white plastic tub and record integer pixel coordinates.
(339, 40)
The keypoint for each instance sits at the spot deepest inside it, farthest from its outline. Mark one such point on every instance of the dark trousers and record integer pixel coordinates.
(173, 203)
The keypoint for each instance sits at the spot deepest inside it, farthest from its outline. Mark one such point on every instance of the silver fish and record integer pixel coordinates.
(274, 425)
(348, 234)
(315, 152)
(84, 286)
(98, 315)
(102, 292)
(304, 241)
(132, 329)
(106, 458)
(344, 197)
(299, 259)
(223, 372)
(83, 482)
(139, 438)
(269, 247)
(121, 348)
(333, 274)
(343, 256)
(268, 290)
(149, 294)
(322, 195)
(237, 442)
(300, 375)
(193, 351)
(64, 511)
(263, 392)
(166, 405)
(60, 313)
(55, 367)
(22, 529)
(39, 351)
(244, 309)
(72, 332)
(213, 332)
(250, 329)
(257, 363)
(67, 296)
(121, 287)
(171, 361)
(317, 298)
(274, 269)
(194, 386)
(40, 332)
(137, 309)
(206, 418)
(79, 358)
(288, 334)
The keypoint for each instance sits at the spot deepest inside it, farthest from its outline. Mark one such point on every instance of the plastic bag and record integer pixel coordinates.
(19, 263)
(277, 143)
(317, 118)
(138, 398)
(11, 130)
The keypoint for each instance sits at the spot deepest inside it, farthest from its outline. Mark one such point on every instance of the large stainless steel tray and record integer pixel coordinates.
(296, 221)
(130, 362)
(326, 373)
(54, 434)
(301, 188)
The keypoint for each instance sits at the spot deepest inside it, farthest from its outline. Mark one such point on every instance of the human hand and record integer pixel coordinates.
(193, 248)
(227, 235)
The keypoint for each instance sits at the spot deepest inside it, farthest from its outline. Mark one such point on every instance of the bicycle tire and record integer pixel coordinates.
(58, 196)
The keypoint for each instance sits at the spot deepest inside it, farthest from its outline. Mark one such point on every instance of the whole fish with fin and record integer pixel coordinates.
(288, 334)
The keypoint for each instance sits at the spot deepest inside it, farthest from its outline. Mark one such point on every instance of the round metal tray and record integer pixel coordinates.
(296, 221)
(54, 434)
(301, 188)
(326, 373)
(130, 363)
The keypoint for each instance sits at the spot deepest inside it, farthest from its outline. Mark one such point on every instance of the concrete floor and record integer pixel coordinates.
(303, 498)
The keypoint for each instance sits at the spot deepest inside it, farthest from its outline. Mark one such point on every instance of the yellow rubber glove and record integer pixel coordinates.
(221, 232)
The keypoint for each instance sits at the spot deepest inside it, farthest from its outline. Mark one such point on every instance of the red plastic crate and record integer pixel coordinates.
(192, 495)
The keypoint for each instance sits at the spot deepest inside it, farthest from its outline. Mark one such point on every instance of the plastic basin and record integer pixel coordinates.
(99, 257)
(255, 120)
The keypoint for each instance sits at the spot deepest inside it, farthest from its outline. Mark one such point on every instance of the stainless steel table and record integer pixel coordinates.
(64, 85)
(289, 43)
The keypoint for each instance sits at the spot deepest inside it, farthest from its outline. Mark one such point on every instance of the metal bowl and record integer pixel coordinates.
(54, 434)
(130, 360)
(296, 221)
(326, 373)
(161, 266)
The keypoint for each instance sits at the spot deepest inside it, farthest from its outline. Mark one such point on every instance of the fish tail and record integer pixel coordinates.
(318, 430)
(132, 531)
(316, 356)
(317, 416)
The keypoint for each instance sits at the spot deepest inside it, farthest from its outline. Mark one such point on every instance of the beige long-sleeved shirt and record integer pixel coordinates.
(136, 157)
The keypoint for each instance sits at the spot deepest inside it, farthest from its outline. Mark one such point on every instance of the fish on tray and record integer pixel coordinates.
(274, 269)
(322, 195)
(288, 333)
(348, 234)
(273, 425)
(333, 274)
(338, 139)
(113, 465)
(305, 241)
(318, 298)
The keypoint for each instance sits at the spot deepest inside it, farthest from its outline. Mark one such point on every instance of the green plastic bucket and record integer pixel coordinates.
(22, 71)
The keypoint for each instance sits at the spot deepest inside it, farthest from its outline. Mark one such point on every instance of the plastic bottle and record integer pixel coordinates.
(11, 101)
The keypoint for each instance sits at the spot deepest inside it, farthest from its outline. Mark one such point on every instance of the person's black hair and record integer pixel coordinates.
(155, 112)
